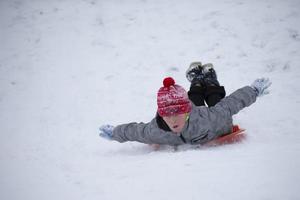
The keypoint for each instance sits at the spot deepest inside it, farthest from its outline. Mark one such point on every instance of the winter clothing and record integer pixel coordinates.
(172, 99)
(210, 94)
(203, 75)
(106, 131)
(194, 71)
(260, 86)
(204, 124)
(199, 96)
(210, 75)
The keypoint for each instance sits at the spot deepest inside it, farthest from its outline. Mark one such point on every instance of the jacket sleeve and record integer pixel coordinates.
(235, 102)
(217, 120)
(132, 132)
(147, 133)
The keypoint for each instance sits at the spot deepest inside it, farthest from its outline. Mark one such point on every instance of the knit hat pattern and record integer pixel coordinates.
(172, 99)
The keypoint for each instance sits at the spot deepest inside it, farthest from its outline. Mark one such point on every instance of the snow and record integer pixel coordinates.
(67, 67)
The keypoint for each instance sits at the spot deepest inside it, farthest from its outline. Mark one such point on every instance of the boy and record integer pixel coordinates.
(183, 118)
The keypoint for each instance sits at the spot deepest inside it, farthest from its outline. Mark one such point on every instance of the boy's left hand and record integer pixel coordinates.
(261, 85)
(106, 131)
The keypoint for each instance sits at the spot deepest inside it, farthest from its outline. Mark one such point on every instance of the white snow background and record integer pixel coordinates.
(67, 67)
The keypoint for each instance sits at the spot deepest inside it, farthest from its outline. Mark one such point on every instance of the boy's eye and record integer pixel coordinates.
(168, 117)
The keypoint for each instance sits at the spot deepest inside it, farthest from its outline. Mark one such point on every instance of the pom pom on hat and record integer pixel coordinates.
(172, 100)
(168, 82)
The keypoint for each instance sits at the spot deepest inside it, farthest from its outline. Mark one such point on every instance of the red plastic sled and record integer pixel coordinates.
(237, 135)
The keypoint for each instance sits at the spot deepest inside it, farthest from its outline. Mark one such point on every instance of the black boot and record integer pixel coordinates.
(195, 74)
(210, 75)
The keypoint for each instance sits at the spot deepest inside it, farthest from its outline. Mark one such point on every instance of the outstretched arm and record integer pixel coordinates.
(139, 132)
(242, 98)
(126, 132)
(235, 102)
(147, 133)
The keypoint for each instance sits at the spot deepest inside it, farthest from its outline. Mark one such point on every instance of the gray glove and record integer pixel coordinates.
(106, 131)
(261, 85)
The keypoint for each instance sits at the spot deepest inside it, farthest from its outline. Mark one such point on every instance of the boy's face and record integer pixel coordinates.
(176, 122)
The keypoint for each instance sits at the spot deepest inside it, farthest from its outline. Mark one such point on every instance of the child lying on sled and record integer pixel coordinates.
(183, 118)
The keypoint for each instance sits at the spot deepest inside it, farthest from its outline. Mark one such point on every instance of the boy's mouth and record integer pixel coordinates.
(176, 126)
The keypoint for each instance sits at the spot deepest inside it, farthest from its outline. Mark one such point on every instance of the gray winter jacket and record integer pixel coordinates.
(204, 123)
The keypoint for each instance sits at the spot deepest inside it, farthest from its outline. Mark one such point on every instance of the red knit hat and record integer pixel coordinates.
(172, 99)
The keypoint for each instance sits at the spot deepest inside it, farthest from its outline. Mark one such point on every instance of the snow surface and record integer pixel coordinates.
(69, 66)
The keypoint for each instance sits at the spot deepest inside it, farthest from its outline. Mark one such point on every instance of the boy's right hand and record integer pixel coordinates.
(106, 131)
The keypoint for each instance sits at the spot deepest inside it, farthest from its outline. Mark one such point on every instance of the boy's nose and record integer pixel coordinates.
(173, 119)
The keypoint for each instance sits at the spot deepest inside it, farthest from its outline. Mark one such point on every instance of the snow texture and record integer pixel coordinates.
(67, 67)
